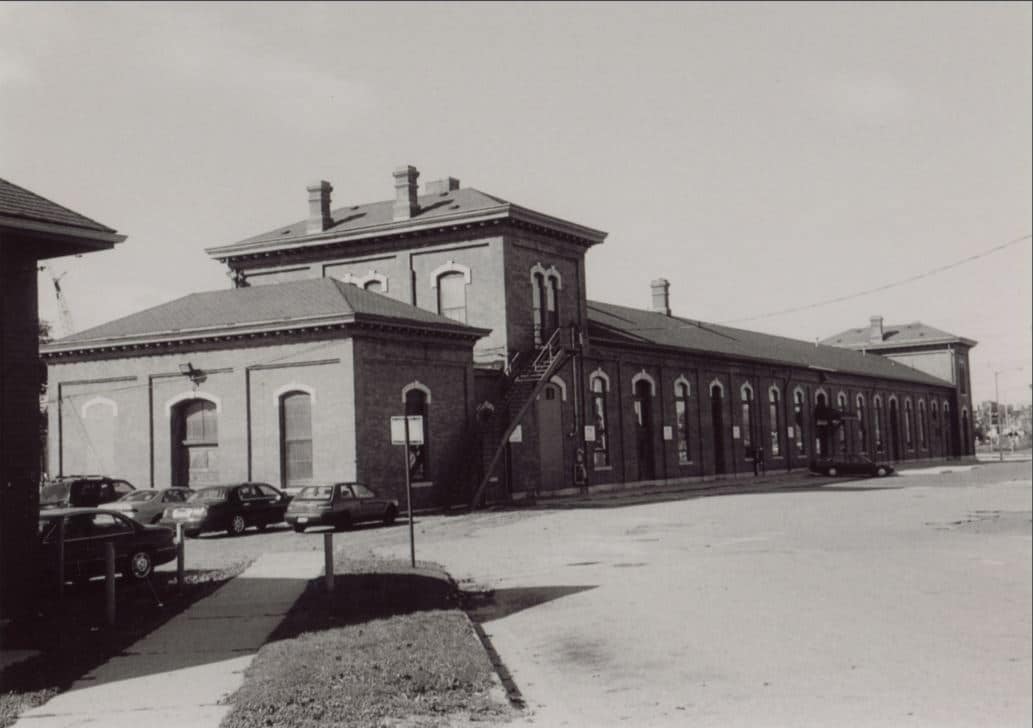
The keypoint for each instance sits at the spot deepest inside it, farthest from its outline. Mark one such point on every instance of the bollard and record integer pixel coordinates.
(180, 557)
(328, 558)
(61, 558)
(109, 581)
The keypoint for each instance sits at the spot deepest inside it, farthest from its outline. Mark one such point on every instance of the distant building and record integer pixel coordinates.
(32, 228)
(931, 350)
(470, 312)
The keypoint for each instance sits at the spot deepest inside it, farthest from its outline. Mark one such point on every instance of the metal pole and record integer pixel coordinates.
(109, 581)
(1000, 429)
(61, 557)
(180, 557)
(328, 560)
(408, 496)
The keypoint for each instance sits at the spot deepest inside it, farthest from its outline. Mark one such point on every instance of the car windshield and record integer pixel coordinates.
(54, 491)
(316, 492)
(138, 496)
(209, 494)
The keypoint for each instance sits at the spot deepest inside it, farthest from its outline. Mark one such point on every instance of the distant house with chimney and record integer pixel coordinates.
(471, 313)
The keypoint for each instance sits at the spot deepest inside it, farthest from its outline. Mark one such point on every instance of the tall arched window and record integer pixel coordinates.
(419, 455)
(746, 423)
(538, 297)
(452, 296)
(922, 425)
(798, 407)
(909, 440)
(842, 406)
(776, 447)
(552, 307)
(195, 443)
(681, 418)
(934, 407)
(374, 285)
(877, 423)
(862, 426)
(296, 438)
(601, 451)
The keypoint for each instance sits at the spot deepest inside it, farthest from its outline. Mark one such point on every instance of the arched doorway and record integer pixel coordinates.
(644, 429)
(894, 430)
(195, 443)
(717, 422)
(549, 418)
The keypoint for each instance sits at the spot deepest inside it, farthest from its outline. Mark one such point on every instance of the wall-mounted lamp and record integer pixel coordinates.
(195, 375)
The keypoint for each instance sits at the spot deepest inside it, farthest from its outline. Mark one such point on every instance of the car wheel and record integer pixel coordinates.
(390, 515)
(299, 527)
(141, 564)
(881, 471)
(237, 525)
(833, 472)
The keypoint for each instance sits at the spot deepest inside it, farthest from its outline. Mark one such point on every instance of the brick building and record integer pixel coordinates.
(471, 312)
(32, 228)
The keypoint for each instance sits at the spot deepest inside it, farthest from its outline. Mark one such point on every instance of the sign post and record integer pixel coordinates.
(408, 431)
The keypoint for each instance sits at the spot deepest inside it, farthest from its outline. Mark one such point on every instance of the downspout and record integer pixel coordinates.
(150, 428)
(247, 421)
(60, 432)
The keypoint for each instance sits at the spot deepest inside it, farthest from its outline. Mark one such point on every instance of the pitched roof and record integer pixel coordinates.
(437, 209)
(636, 326)
(914, 333)
(274, 307)
(18, 202)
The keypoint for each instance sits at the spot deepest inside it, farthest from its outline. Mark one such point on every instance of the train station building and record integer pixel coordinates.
(472, 313)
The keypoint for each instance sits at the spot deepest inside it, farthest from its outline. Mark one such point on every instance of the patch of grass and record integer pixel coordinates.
(390, 647)
(72, 638)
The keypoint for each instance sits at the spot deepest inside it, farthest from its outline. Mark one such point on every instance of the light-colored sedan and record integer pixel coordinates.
(338, 505)
(147, 505)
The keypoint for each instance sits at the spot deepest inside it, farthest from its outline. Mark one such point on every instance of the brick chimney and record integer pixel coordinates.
(406, 205)
(661, 296)
(319, 207)
(442, 186)
(875, 330)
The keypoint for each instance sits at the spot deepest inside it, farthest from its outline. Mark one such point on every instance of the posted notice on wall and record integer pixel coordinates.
(398, 430)
(589, 433)
(735, 432)
(518, 434)
(791, 432)
(668, 432)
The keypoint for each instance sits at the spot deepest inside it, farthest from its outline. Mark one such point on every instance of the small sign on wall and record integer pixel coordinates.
(735, 432)
(415, 430)
(589, 433)
(791, 432)
(668, 432)
(518, 434)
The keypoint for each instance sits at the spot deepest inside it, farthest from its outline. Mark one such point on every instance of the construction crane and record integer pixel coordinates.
(67, 324)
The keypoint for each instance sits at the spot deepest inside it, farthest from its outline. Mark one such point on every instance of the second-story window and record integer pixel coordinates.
(374, 285)
(552, 307)
(452, 296)
(538, 307)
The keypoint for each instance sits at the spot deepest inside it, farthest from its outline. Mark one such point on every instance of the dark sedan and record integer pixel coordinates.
(339, 505)
(851, 465)
(138, 548)
(230, 508)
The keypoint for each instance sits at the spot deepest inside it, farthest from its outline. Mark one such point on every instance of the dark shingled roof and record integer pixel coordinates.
(914, 333)
(631, 325)
(18, 202)
(277, 303)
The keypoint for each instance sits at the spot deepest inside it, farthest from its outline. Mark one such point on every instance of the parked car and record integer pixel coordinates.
(230, 508)
(82, 491)
(851, 465)
(338, 505)
(138, 548)
(147, 505)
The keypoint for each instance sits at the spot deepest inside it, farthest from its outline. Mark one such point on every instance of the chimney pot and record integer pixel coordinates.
(319, 218)
(875, 333)
(406, 204)
(661, 296)
(442, 186)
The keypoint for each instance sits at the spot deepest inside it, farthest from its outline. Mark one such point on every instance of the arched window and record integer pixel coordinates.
(552, 307)
(295, 438)
(601, 452)
(862, 426)
(962, 377)
(681, 419)
(776, 446)
(934, 408)
(746, 423)
(538, 297)
(419, 455)
(452, 296)
(877, 423)
(909, 441)
(374, 285)
(841, 404)
(195, 443)
(922, 425)
(798, 407)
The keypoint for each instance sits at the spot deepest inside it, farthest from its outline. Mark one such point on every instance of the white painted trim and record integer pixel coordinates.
(99, 400)
(877, 400)
(644, 375)
(450, 267)
(891, 399)
(182, 396)
(803, 395)
(778, 393)
(821, 390)
(859, 399)
(602, 375)
(720, 385)
(415, 384)
(558, 381)
(361, 281)
(841, 396)
(547, 273)
(293, 387)
(742, 392)
(681, 379)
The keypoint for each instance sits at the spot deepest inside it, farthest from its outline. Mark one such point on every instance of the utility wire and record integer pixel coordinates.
(903, 281)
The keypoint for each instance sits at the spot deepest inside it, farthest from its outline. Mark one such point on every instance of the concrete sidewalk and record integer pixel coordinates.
(177, 675)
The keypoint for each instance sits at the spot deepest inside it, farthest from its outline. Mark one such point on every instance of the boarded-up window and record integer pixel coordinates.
(296, 437)
(452, 296)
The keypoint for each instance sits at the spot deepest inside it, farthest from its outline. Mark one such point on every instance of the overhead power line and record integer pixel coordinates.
(887, 286)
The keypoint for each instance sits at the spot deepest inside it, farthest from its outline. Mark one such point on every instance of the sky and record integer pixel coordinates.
(761, 157)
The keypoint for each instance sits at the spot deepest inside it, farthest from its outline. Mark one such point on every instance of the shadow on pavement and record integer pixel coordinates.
(490, 605)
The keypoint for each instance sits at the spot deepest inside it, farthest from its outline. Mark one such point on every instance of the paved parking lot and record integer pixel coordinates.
(904, 601)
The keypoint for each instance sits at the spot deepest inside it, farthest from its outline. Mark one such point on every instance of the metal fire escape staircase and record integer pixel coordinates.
(524, 386)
